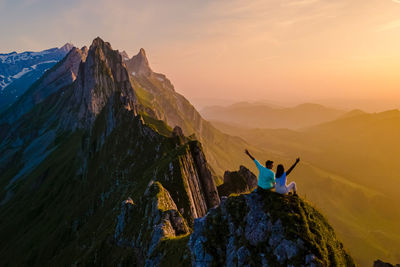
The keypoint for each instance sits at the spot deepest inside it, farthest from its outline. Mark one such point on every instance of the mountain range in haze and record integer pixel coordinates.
(259, 115)
(104, 163)
(355, 172)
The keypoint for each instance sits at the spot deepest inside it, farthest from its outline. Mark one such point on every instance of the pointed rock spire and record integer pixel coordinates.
(67, 47)
(124, 55)
(102, 80)
(139, 64)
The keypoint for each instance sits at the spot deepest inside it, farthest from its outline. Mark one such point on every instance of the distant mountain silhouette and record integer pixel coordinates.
(258, 115)
(355, 159)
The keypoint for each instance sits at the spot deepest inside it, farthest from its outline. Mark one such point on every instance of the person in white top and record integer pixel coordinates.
(281, 187)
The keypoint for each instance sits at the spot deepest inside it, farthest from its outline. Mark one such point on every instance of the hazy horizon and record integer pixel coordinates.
(338, 54)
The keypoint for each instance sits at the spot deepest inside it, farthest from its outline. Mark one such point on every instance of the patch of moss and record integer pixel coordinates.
(217, 233)
(301, 220)
(174, 251)
(237, 208)
(158, 125)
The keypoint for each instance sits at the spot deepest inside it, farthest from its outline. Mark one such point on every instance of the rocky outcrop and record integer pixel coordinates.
(144, 225)
(102, 79)
(206, 180)
(379, 263)
(237, 182)
(139, 65)
(265, 230)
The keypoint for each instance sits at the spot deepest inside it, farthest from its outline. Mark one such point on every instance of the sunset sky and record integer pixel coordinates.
(277, 51)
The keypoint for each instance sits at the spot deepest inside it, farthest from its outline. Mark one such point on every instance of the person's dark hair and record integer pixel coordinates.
(268, 162)
(279, 171)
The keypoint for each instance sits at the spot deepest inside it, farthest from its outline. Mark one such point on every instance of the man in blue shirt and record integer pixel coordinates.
(266, 177)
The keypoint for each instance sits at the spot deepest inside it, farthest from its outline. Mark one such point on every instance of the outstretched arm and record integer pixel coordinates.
(248, 154)
(291, 168)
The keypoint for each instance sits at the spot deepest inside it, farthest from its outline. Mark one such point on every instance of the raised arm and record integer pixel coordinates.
(248, 154)
(292, 167)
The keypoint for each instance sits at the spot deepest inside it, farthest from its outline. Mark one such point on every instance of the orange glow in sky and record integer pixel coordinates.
(285, 51)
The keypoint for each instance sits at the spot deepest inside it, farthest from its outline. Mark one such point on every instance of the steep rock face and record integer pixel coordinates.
(379, 263)
(101, 80)
(237, 182)
(102, 77)
(139, 65)
(159, 218)
(206, 180)
(77, 155)
(265, 230)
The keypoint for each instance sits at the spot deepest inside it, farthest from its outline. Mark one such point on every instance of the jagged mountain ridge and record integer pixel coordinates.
(259, 115)
(99, 145)
(157, 94)
(18, 71)
(96, 149)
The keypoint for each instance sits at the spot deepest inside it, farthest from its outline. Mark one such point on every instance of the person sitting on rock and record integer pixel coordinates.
(281, 175)
(266, 177)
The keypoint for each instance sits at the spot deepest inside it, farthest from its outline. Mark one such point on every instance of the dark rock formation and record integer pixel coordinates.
(265, 230)
(379, 263)
(237, 182)
(102, 79)
(207, 182)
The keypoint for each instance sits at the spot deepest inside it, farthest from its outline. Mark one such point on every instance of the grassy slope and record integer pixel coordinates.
(363, 215)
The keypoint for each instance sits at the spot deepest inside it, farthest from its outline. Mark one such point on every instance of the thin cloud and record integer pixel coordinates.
(396, 1)
(300, 3)
(389, 26)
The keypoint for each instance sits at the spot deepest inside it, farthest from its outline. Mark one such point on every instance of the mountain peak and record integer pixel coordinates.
(124, 55)
(98, 42)
(67, 47)
(142, 52)
(139, 64)
(101, 78)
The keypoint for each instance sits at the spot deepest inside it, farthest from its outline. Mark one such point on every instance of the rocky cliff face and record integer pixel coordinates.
(237, 182)
(139, 64)
(379, 263)
(83, 150)
(265, 230)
